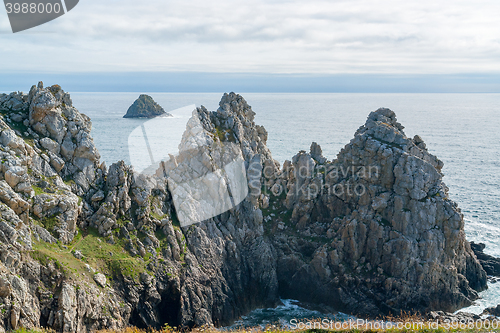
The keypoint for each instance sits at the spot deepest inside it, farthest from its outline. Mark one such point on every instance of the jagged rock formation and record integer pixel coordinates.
(384, 235)
(84, 247)
(490, 264)
(145, 107)
(116, 222)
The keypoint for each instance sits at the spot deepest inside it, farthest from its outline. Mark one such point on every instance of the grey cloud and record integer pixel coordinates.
(276, 36)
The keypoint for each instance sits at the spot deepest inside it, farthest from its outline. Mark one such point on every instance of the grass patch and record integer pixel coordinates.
(225, 135)
(49, 223)
(98, 254)
(110, 259)
(277, 212)
(38, 190)
(175, 220)
(45, 185)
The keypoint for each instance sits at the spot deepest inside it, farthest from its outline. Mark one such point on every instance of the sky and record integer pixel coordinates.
(283, 41)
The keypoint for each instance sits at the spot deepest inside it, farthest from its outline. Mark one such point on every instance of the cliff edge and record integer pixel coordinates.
(84, 246)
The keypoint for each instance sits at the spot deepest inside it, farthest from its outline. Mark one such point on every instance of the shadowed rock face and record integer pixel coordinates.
(490, 264)
(306, 231)
(145, 107)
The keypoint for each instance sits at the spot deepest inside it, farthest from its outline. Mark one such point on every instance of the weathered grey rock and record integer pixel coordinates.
(25, 310)
(98, 196)
(56, 162)
(100, 279)
(13, 200)
(454, 318)
(50, 145)
(9, 139)
(145, 107)
(317, 153)
(66, 131)
(391, 230)
(45, 235)
(5, 287)
(15, 101)
(63, 208)
(77, 254)
(14, 175)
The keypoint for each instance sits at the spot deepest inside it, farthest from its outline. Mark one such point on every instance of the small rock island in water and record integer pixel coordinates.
(145, 107)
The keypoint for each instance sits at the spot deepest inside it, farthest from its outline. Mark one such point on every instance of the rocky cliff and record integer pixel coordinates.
(374, 230)
(84, 246)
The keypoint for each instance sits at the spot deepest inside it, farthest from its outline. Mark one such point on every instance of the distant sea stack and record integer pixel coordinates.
(145, 107)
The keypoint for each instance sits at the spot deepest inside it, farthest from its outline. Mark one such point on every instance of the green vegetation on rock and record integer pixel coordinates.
(110, 259)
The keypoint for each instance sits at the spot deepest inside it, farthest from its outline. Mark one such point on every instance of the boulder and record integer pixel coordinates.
(100, 279)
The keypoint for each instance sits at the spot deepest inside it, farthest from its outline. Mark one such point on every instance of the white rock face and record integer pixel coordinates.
(50, 145)
(195, 136)
(100, 279)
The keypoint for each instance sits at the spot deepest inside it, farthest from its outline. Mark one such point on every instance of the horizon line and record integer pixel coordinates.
(211, 82)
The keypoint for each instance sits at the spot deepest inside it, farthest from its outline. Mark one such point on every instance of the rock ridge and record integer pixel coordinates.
(85, 247)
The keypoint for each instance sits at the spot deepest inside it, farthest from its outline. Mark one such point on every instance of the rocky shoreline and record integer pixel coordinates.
(86, 247)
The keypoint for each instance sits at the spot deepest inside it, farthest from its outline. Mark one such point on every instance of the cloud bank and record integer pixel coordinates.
(324, 37)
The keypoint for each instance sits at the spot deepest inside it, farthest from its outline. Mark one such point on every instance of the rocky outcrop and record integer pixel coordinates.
(494, 310)
(490, 264)
(56, 190)
(66, 144)
(85, 247)
(383, 235)
(446, 318)
(145, 107)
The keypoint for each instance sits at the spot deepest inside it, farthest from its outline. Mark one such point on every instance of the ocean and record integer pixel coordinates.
(463, 130)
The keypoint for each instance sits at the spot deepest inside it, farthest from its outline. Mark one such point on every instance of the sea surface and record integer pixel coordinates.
(463, 130)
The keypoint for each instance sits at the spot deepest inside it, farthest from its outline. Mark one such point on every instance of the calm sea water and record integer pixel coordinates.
(463, 130)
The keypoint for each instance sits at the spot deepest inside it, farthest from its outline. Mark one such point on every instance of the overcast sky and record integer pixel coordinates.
(307, 36)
